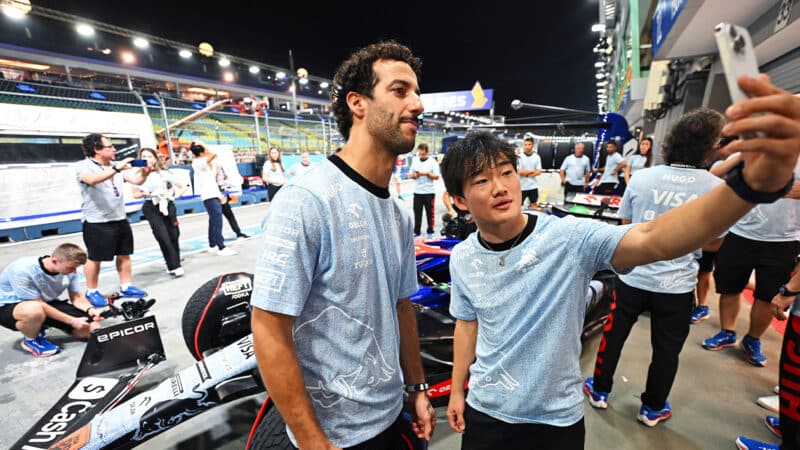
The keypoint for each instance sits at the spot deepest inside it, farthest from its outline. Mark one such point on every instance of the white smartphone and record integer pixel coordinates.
(737, 56)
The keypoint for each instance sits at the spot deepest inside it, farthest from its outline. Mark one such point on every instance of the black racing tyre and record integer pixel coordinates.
(270, 434)
(217, 313)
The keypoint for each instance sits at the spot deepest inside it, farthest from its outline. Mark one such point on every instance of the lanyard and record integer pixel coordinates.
(116, 191)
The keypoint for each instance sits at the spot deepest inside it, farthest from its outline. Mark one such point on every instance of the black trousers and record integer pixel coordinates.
(532, 195)
(165, 230)
(669, 327)
(790, 385)
(228, 213)
(423, 201)
(484, 432)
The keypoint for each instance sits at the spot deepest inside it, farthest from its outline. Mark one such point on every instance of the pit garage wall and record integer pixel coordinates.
(777, 48)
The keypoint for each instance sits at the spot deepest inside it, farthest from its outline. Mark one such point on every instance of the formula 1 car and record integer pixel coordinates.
(100, 410)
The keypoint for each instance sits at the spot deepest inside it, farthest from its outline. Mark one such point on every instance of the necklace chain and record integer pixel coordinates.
(502, 260)
(683, 166)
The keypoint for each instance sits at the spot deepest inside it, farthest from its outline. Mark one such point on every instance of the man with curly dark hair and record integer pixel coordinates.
(334, 331)
(665, 288)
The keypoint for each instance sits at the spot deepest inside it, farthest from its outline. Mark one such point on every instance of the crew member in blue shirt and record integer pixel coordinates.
(29, 299)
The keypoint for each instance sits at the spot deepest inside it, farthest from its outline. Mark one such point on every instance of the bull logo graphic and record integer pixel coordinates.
(499, 377)
(369, 372)
(355, 209)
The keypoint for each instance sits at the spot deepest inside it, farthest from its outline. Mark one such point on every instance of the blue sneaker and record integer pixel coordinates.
(96, 298)
(699, 314)
(774, 425)
(132, 291)
(720, 340)
(596, 399)
(40, 346)
(745, 443)
(752, 351)
(651, 418)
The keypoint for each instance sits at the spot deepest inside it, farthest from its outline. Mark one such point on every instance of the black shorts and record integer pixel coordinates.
(739, 256)
(7, 315)
(106, 240)
(532, 195)
(707, 261)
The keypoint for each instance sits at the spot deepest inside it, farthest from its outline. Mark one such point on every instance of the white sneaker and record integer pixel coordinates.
(769, 402)
(212, 249)
(227, 251)
(177, 272)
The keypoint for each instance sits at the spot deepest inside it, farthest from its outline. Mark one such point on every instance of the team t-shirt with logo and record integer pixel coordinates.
(530, 313)
(337, 253)
(772, 222)
(574, 169)
(424, 185)
(102, 202)
(26, 279)
(532, 162)
(652, 192)
(612, 162)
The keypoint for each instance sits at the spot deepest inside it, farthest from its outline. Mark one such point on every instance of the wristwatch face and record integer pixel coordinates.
(786, 292)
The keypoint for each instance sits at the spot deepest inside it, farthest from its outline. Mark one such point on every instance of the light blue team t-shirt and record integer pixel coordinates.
(299, 169)
(103, 202)
(25, 279)
(772, 222)
(533, 162)
(636, 162)
(575, 168)
(612, 162)
(424, 185)
(337, 257)
(530, 313)
(652, 192)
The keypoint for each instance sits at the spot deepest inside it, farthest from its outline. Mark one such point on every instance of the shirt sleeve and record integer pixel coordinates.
(435, 166)
(290, 248)
(74, 285)
(596, 241)
(408, 278)
(460, 305)
(564, 163)
(537, 163)
(587, 166)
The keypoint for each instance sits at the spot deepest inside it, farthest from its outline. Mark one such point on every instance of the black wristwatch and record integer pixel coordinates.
(115, 168)
(419, 387)
(735, 179)
(784, 291)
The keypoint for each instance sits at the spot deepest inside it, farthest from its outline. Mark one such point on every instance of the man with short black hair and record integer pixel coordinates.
(424, 170)
(614, 165)
(522, 394)
(106, 231)
(29, 303)
(530, 167)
